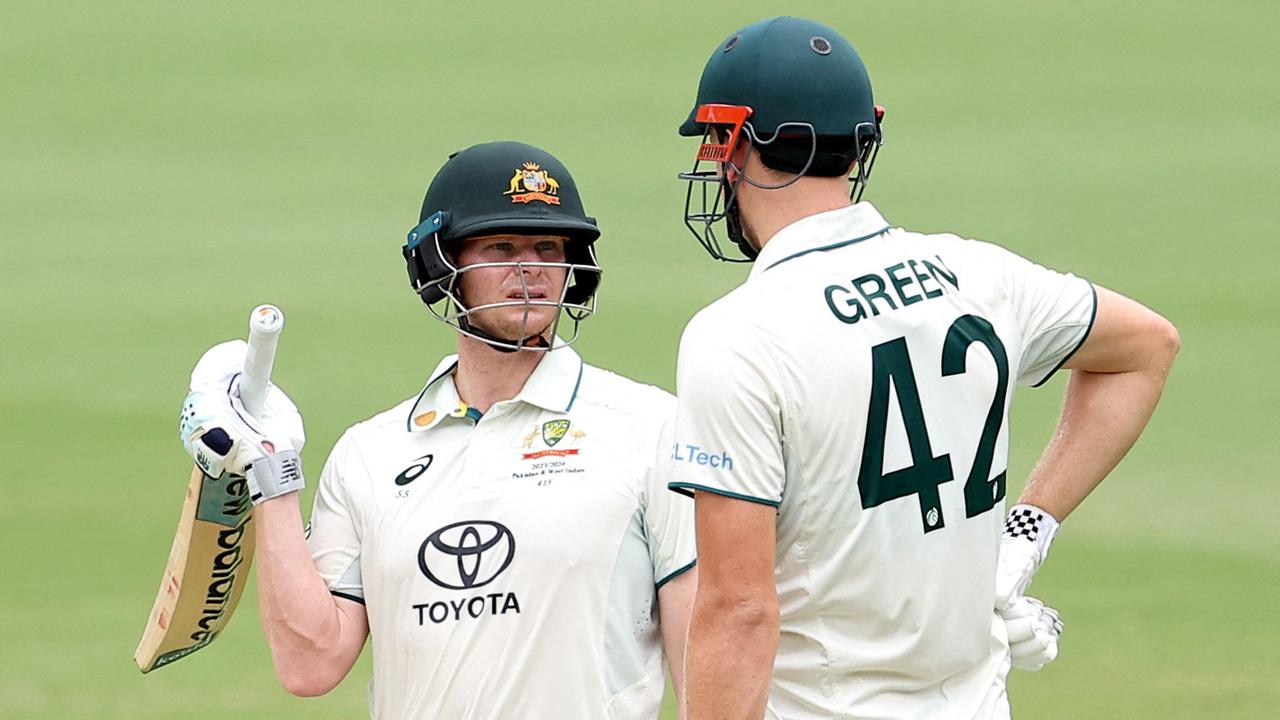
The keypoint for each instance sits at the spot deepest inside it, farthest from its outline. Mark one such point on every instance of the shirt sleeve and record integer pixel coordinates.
(668, 517)
(333, 536)
(728, 437)
(1054, 311)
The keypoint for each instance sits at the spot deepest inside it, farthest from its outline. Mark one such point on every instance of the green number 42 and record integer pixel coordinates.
(891, 362)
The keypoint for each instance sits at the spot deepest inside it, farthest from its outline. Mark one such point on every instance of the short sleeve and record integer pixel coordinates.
(1055, 312)
(728, 437)
(668, 517)
(333, 535)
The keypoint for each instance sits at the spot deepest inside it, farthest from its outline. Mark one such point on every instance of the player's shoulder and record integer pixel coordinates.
(392, 419)
(728, 314)
(952, 243)
(958, 247)
(741, 323)
(606, 390)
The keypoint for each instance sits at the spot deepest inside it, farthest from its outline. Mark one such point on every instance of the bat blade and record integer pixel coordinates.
(212, 552)
(208, 568)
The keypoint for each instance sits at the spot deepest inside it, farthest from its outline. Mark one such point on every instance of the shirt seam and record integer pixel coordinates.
(675, 573)
(781, 404)
(582, 366)
(368, 476)
(408, 421)
(684, 486)
(832, 246)
(347, 596)
(1093, 316)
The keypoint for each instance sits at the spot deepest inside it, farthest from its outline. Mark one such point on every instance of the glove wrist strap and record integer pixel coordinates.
(275, 475)
(1029, 522)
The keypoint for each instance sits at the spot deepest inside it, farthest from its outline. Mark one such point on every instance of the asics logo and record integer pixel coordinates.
(412, 472)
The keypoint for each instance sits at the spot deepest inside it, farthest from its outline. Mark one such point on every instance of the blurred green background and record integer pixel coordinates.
(168, 166)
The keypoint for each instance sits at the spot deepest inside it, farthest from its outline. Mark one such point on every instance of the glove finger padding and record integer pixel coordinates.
(218, 364)
(202, 435)
(218, 373)
(219, 436)
(1033, 655)
(216, 429)
(280, 418)
(1033, 631)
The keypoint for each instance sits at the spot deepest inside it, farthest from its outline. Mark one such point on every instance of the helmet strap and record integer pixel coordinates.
(502, 345)
(733, 219)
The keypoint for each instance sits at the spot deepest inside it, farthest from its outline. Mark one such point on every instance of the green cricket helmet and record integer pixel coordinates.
(800, 95)
(501, 188)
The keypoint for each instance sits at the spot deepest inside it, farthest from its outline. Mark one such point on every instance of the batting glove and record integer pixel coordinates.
(1033, 629)
(1028, 531)
(221, 436)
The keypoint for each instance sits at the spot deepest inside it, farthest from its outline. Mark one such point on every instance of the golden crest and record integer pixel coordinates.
(530, 183)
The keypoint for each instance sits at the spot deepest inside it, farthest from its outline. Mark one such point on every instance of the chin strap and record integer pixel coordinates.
(536, 341)
(733, 222)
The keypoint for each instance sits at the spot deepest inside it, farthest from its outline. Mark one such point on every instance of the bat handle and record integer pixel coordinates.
(265, 324)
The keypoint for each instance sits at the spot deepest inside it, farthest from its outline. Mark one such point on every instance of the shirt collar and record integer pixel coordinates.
(824, 231)
(552, 386)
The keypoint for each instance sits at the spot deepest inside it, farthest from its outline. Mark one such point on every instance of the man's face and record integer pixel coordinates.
(511, 284)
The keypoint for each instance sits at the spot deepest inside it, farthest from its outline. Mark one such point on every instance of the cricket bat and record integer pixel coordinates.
(209, 562)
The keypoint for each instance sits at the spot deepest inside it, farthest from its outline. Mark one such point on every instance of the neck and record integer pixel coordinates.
(765, 212)
(486, 376)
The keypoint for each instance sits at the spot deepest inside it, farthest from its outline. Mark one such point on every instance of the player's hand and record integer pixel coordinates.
(1033, 629)
(221, 436)
(1028, 532)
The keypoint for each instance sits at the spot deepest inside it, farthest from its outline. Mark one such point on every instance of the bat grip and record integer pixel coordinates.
(265, 324)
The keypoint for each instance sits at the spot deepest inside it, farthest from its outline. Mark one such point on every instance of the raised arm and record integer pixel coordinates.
(315, 637)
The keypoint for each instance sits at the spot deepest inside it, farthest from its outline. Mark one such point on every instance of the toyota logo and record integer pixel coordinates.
(468, 554)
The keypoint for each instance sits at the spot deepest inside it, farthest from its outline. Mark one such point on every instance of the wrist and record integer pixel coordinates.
(273, 475)
(1032, 523)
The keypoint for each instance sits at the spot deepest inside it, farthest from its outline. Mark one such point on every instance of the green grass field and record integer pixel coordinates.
(168, 166)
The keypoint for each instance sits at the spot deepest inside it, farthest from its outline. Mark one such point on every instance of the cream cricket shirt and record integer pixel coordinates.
(509, 563)
(859, 381)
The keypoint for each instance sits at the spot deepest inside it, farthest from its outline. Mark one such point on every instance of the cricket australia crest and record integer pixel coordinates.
(551, 433)
(554, 430)
(530, 183)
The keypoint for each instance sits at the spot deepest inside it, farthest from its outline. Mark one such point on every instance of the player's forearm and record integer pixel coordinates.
(1102, 417)
(729, 656)
(300, 618)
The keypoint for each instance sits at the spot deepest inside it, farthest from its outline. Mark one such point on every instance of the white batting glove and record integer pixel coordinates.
(1033, 629)
(221, 436)
(1024, 545)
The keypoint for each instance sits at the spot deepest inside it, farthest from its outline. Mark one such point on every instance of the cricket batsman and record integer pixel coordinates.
(504, 538)
(843, 416)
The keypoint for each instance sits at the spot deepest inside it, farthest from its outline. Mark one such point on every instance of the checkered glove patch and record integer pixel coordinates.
(1028, 522)
(1024, 545)
(1031, 523)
